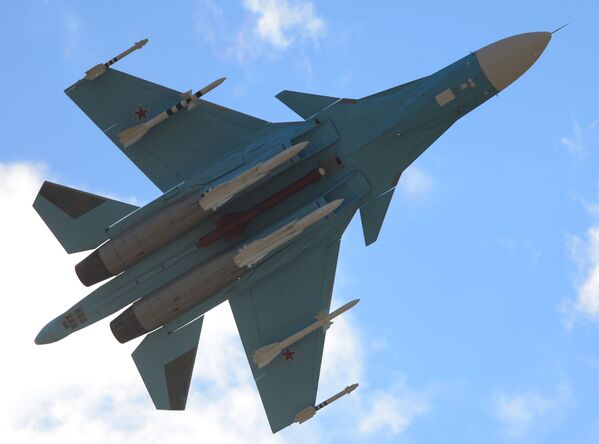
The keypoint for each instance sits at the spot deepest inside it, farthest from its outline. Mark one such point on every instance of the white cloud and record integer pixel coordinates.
(393, 410)
(520, 413)
(415, 183)
(574, 143)
(585, 254)
(582, 136)
(583, 250)
(209, 20)
(268, 28)
(71, 24)
(280, 22)
(87, 385)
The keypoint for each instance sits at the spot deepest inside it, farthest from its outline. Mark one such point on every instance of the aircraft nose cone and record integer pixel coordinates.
(50, 333)
(506, 60)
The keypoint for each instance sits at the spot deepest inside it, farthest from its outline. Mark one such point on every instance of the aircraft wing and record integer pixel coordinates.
(178, 147)
(276, 307)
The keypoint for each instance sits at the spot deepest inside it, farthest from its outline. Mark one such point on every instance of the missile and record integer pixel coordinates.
(264, 355)
(252, 253)
(132, 135)
(232, 224)
(100, 68)
(309, 412)
(220, 194)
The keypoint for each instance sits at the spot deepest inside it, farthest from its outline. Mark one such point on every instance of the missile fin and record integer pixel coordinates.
(264, 355)
(95, 72)
(325, 319)
(132, 135)
(305, 415)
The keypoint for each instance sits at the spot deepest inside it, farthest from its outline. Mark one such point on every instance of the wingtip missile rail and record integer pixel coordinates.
(264, 355)
(100, 68)
(309, 412)
(132, 135)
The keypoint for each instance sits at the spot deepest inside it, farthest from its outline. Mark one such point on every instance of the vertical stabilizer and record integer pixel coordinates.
(373, 215)
(304, 104)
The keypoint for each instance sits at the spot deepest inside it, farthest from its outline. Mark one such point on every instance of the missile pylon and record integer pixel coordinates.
(264, 355)
(220, 194)
(100, 68)
(252, 253)
(132, 135)
(309, 412)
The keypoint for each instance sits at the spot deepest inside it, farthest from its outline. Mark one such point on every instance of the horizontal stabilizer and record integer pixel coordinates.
(165, 362)
(78, 219)
(373, 215)
(305, 105)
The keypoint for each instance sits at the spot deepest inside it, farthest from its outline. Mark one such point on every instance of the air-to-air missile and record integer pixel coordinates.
(100, 68)
(252, 253)
(198, 284)
(132, 135)
(264, 355)
(222, 193)
(131, 246)
(309, 412)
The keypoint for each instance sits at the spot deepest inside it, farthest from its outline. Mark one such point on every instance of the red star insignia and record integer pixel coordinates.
(142, 113)
(288, 355)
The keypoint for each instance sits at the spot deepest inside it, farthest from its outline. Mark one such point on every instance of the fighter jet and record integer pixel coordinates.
(252, 212)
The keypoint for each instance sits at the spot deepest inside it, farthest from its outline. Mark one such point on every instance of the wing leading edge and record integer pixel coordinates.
(276, 307)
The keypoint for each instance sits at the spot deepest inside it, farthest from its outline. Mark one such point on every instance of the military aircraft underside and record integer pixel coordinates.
(251, 212)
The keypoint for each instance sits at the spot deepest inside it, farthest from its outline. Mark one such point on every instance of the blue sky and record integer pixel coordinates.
(480, 301)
